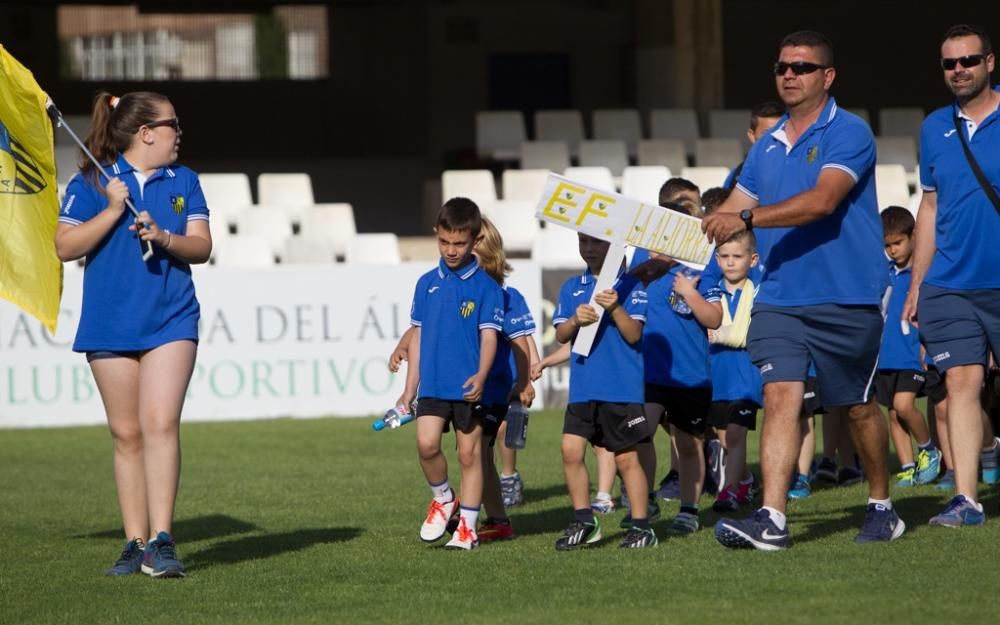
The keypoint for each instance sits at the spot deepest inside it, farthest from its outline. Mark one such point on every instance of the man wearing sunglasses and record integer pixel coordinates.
(955, 291)
(808, 189)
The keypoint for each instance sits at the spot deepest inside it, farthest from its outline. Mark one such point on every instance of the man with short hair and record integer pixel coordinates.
(955, 291)
(808, 190)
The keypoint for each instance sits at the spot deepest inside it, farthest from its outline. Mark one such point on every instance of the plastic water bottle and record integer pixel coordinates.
(517, 426)
(676, 301)
(394, 417)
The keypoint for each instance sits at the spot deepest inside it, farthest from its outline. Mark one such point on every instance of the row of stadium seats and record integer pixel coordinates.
(499, 134)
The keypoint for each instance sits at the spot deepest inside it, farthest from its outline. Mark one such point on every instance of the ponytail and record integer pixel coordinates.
(113, 125)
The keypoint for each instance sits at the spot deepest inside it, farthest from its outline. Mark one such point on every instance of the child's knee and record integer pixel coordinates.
(687, 445)
(428, 447)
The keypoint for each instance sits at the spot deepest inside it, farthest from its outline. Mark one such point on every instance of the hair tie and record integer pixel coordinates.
(113, 101)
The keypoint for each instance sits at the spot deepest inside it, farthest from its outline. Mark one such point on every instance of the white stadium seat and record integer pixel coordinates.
(669, 153)
(499, 134)
(901, 122)
(557, 248)
(729, 124)
(267, 222)
(227, 196)
(550, 155)
(333, 223)
(618, 125)
(675, 124)
(597, 177)
(379, 248)
(245, 251)
(643, 183)
(515, 219)
(524, 184)
(706, 177)
(610, 154)
(891, 186)
(307, 250)
(718, 153)
(291, 193)
(476, 184)
(564, 126)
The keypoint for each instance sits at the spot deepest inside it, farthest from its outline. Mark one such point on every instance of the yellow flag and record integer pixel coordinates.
(30, 271)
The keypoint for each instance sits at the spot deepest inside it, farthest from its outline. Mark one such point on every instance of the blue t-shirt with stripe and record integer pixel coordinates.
(674, 346)
(899, 352)
(517, 322)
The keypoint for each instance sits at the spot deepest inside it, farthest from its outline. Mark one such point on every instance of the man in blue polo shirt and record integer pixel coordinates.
(808, 187)
(956, 283)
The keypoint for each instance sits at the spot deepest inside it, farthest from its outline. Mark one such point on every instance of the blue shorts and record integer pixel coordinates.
(841, 341)
(958, 327)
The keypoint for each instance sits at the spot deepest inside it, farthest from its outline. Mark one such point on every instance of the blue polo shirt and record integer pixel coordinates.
(674, 346)
(734, 376)
(839, 258)
(899, 352)
(517, 321)
(451, 308)
(130, 304)
(613, 371)
(968, 255)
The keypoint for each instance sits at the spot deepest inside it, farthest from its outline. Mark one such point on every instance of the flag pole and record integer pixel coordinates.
(57, 117)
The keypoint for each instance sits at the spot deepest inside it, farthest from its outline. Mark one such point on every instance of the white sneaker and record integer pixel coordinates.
(463, 538)
(438, 515)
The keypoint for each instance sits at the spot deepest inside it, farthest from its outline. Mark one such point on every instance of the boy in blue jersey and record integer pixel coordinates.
(955, 286)
(807, 189)
(724, 308)
(457, 312)
(677, 388)
(605, 394)
(900, 373)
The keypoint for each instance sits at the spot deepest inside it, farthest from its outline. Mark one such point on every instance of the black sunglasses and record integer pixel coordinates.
(798, 68)
(971, 60)
(173, 122)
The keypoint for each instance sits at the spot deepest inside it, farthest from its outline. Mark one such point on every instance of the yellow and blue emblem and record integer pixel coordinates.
(177, 203)
(18, 171)
(466, 309)
(811, 154)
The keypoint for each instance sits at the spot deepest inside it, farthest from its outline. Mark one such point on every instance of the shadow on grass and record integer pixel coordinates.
(193, 530)
(552, 521)
(915, 511)
(269, 545)
(535, 495)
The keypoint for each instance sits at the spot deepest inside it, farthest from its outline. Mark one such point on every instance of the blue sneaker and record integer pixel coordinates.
(602, 506)
(989, 460)
(959, 511)
(801, 488)
(947, 481)
(130, 561)
(881, 525)
(670, 487)
(928, 466)
(756, 532)
(160, 558)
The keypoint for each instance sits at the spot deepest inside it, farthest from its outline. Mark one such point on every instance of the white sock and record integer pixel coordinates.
(975, 503)
(887, 503)
(515, 474)
(778, 518)
(470, 516)
(442, 492)
(603, 496)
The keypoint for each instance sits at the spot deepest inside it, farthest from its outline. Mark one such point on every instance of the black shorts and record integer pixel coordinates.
(493, 417)
(685, 408)
(740, 412)
(607, 424)
(892, 381)
(934, 387)
(465, 415)
(810, 399)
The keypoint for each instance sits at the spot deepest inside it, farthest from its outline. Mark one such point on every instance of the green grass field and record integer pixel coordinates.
(315, 521)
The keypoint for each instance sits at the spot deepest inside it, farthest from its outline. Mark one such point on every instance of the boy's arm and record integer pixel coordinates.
(557, 357)
(630, 328)
(487, 352)
(523, 390)
(400, 352)
(412, 369)
(708, 314)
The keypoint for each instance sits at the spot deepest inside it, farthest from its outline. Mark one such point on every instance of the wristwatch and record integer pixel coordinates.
(747, 216)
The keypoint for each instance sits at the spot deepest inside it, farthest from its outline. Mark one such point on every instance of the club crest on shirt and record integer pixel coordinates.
(177, 203)
(466, 308)
(811, 154)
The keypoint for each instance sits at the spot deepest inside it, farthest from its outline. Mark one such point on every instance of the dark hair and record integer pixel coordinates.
(675, 206)
(671, 188)
(713, 198)
(747, 235)
(112, 128)
(460, 213)
(811, 39)
(970, 30)
(767, 109)
(897, 220)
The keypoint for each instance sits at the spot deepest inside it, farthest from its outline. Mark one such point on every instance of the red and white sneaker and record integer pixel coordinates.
(727, 500)
(746, 494)
(463, 538)
(493, 529)
(438, 515)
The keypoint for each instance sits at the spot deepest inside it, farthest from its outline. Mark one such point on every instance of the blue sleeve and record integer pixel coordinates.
(638, 257)
(852, 150)
(636, 301)
(81, 203)
(196, 205)
(747, 182)
(565, 308)
(491, 307)
(517, 319)
(927, 181)
(708, 286)
(417, 306)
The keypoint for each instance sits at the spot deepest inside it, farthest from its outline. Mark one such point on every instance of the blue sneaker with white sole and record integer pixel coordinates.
(756, 532)
(958, 513)
(800, 488)
(928, 466)
(130, 560)
(989, 460)
(881, 524)
(947, 481)
(160, 557)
